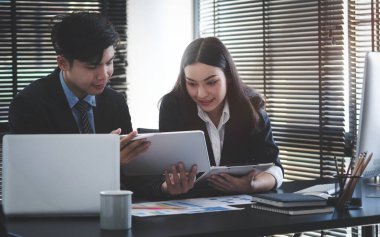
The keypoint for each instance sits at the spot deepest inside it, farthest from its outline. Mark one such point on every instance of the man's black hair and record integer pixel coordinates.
(83, 36)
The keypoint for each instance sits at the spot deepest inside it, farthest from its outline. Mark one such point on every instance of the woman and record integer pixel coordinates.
(210, 96)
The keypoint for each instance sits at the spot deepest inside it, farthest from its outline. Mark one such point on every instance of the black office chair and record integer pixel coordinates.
(147, 130)
(3, 228)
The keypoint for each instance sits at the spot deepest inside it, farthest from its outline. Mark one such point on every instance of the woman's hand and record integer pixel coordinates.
(177, 180)
(250, 183)
(130, 149)
(229, 184)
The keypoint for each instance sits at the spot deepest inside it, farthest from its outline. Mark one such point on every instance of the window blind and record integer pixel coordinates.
(292, 52)
(116, 13)
(26, 53)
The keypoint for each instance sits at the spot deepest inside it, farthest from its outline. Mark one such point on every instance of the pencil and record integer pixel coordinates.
(366, 162)
(348, 172)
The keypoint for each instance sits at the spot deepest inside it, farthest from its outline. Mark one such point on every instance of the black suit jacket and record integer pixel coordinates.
(42, 107)
(241, 145)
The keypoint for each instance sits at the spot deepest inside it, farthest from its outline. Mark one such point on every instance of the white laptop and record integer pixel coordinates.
(169, 148)
(58, 174)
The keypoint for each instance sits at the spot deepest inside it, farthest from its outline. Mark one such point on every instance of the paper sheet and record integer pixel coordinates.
(190, 206)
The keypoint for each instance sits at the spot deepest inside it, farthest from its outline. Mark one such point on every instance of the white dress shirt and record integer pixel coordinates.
(216, 134)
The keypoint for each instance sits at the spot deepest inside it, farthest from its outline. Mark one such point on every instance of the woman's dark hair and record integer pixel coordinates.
(213, 52)
(83, 36)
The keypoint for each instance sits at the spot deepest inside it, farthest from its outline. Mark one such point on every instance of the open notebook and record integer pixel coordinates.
(58, 174)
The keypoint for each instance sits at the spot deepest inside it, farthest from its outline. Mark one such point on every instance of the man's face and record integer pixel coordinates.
(84, 78)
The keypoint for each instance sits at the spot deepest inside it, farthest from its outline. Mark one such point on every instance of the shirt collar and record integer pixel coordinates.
(71, 98)
(223, 119)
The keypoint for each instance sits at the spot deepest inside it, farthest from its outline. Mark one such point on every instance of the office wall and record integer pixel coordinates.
(158, 32)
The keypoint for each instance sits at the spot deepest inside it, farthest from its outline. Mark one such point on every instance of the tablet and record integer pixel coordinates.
(234, 170)
(169, 148)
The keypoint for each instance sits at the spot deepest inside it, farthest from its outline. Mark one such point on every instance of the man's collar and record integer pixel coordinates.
(71, 98)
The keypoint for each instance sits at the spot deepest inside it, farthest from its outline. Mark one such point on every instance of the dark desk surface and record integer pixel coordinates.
(245, 222)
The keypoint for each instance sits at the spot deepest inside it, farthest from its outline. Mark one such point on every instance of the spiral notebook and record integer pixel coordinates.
(293, 210)
(289, 199)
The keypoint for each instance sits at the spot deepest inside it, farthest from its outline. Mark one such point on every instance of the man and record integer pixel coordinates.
(74, 98)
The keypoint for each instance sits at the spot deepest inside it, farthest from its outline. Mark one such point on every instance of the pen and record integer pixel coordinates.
(159, 208)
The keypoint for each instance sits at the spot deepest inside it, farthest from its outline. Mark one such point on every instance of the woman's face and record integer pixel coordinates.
(207, 86)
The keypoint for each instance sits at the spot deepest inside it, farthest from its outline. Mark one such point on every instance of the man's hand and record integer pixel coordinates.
(177, 180)
(130, 149)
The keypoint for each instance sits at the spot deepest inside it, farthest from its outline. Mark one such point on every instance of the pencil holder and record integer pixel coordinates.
(348, 192)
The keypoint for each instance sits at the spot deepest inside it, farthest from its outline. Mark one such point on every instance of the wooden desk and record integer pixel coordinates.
(247, 222)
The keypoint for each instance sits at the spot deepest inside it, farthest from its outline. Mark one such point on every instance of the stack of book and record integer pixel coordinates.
(291, 203)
